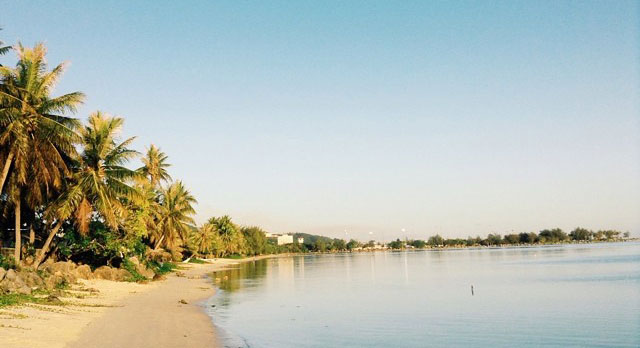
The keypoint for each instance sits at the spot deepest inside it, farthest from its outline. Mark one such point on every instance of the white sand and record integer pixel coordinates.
(120, 315)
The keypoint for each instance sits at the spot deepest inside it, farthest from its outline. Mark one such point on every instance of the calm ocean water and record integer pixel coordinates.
(576, 295)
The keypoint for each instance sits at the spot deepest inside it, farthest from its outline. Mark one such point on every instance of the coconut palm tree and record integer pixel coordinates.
(230, 237)
(174, 216)
(99, 183)
(205, 239)
(36, 139)
(155, 166)
(3, 50)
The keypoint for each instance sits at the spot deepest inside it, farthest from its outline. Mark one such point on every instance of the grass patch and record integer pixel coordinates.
(196, 260)
(21, 299)
(234, 257)
(15, 299)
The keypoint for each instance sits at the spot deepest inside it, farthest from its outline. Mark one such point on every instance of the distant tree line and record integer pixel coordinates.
(546, 236)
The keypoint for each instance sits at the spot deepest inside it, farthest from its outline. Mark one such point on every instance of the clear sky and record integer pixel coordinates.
(458, 118)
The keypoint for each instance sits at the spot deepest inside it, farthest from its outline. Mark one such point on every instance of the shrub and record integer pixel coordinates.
(161, 267)
(7, 262)
(131, 268)
(196, 260)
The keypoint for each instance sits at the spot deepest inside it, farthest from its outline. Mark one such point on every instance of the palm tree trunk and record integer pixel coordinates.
(159, 242)
(5, 170)
(47, 244)
(18, 247)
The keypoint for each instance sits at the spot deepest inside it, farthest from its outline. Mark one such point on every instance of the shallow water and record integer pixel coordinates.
(575, 295)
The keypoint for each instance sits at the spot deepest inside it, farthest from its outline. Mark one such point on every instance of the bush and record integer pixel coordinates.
(7, 262)
(161, 267)
(131, 268)
(196, 260)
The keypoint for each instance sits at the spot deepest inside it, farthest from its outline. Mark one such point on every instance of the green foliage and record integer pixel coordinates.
(197, 261)
(231, 239)
(99, 246)
(320, 245)
(555, 235)
(353, 244)
(256, 240)
(63, 285)
(581, 234)
(512, 238)
(610, 234)
(15, 299)
(396, 244)
(473, 241)
(161, 267)
(435, 241)
(456, 242)
(7, 262)
(234, 257)
(528, 238)
(338, 245)
(418, 243)
(131, 268)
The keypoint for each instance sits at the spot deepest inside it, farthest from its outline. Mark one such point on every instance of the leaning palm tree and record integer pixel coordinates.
(155, 166)
(174, 216)
(99, 183)
(36, 138)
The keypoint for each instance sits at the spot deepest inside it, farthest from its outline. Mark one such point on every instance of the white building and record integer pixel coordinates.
(281, 239)
(285, 239)
(300, 240)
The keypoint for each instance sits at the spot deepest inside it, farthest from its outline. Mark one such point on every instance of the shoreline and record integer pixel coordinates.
(102, 313)
(167, 313)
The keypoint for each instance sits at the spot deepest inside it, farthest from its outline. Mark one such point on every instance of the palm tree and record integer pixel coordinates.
(174, 216)
(99, 183)
(205, 239)
(3, 50)
(230, 236)
(155, 166)
(36, 139)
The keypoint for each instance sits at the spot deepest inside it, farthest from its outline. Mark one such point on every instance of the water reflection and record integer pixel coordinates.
(544, 296)
(241, 276)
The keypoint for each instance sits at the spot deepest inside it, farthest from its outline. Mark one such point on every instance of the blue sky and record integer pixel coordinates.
(458, 118)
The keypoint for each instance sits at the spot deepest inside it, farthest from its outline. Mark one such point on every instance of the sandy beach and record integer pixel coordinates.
(165, 313)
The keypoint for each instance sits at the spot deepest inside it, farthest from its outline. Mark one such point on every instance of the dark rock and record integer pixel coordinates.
(51, 299)
(183, 302)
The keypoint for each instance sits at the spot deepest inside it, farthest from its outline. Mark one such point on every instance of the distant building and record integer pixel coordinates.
(281, 239)
(285, 239)
(300, 240)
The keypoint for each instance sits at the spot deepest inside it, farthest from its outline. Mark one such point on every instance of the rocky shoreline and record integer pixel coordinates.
(55, 275)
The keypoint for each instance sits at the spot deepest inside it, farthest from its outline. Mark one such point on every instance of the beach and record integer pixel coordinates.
(166, 313)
